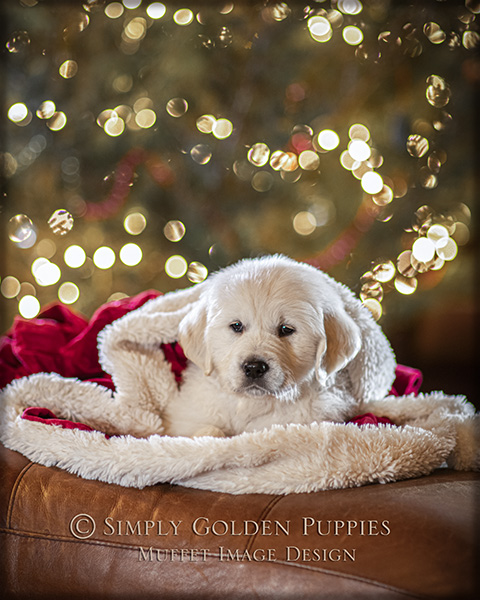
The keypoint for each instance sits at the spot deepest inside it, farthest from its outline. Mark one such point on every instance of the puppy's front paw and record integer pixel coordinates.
(209, 430)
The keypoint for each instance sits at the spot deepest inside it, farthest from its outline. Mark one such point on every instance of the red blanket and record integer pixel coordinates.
(64, 342)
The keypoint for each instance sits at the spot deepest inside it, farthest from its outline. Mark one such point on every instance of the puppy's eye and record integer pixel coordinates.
(237, 326)
(285, 330)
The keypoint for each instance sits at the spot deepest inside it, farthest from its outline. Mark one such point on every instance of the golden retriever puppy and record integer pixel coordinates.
(273, 341)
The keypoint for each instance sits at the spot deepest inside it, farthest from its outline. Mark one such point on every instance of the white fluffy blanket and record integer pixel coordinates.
(430, 430)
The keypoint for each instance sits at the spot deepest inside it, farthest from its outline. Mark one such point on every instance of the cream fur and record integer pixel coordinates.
(323, 371)
(290, 441)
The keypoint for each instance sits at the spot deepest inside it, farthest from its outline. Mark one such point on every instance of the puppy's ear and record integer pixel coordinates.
(339, 346)
(192, 338)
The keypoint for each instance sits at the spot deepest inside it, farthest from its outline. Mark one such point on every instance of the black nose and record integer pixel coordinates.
(254, 369)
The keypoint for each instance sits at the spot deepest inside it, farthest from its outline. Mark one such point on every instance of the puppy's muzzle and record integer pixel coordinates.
(255, 369)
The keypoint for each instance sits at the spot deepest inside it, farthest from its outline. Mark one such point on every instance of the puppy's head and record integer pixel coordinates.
(268, 327)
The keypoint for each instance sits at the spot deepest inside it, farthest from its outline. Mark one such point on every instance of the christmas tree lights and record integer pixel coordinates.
(331, 131)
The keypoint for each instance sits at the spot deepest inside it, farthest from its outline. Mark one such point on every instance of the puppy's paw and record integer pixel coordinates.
(209, 430)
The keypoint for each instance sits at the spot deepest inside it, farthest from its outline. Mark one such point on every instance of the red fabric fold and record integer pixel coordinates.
(407, 381)
(46, 416)
(61, 341)
(371, 419)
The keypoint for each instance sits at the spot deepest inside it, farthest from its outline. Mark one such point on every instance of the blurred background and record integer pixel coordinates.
(146, 144)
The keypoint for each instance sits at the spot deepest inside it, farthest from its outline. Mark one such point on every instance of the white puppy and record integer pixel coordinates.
(274, 341)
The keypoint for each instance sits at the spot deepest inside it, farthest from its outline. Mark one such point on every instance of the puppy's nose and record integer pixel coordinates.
(254, 369)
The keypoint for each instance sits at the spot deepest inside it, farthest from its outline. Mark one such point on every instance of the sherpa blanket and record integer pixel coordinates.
(60, 407)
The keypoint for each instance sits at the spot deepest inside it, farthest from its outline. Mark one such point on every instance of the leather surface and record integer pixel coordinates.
(66, 537)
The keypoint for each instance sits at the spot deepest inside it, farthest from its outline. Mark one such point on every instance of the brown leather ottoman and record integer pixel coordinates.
(66, 537)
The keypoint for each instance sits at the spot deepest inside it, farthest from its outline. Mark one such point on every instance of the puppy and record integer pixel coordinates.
(273, 341)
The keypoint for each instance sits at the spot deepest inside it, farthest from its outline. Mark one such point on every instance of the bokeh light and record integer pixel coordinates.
(183, 16)
(68, 69)
(304, 222)
(131, 254)
(57, 121)
(278, 159)
(384, 271)
(131, 4)
(374, 306)
(434, 32)
(114, 126)
(417, 145)
(404, 264)
(359, 132)
(259, 154)
(360, 168)
(145, 118)
(177, 107)
(350, 7)
(371, 289)
(328, 139)
(359, 150)
(276, 146)
(372, 183)
(29, 307)
(74, 256)
(114, 10)
(347, 161)
(46, 110)
(176, 266)
(20, 228)
(134, 223)
(135, 30)
(447, 249)
(352, 35)
(437, 233)
(470, 40)
(61, 222)
(104, 257)
(205, 123)
(156, 10)
(201, 154)
(405, 285)
(384, 197)
(45, 272)
(222, 129)
(438, 91)
(174, 230)
(17, 112)
(423, 249)
(197, 272)
(68, 293)
(309, 160)
(320, 29)
(10, 287)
